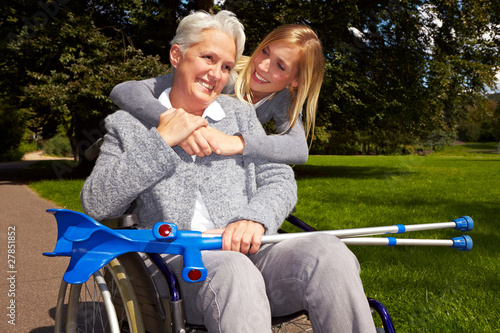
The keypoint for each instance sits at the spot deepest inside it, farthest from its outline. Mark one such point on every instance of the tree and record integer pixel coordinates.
(61, 58)
(70, 67)
(396, 70)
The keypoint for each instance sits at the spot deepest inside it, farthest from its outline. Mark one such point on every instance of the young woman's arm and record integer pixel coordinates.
(140, 98)
(290, 146)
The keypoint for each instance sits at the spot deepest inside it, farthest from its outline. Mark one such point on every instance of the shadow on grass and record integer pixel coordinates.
(28, 171)
(354, 172)
(480, 146)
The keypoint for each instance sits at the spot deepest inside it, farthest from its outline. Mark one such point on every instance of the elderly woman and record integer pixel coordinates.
(241, 197)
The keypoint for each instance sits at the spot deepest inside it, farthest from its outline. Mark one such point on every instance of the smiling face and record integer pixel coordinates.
(274, 68)
(202, 72)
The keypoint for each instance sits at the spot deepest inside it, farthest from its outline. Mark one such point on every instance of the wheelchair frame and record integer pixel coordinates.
(123, 297)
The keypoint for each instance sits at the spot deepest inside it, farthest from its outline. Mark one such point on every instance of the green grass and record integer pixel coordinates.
(47, 178)
(470, 148)
(426, 289)
(65, 193)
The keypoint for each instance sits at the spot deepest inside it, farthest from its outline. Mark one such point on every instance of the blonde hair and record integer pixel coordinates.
(310, 71)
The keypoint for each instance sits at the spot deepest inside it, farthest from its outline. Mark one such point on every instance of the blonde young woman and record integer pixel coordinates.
(282, 79)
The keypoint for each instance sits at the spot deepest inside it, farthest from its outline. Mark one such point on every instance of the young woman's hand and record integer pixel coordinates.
(207, 140)
(200, 143)
(228, 144)
(192, 133)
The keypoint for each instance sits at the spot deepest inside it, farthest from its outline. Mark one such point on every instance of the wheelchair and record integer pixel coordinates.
(124, 297)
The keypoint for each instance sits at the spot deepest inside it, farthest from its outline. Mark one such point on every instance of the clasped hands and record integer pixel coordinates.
(192, 133)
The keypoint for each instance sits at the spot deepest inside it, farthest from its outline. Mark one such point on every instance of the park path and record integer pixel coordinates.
(29, 288)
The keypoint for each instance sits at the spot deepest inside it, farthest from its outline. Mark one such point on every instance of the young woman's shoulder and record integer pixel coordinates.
(275, 107)
(232, 104)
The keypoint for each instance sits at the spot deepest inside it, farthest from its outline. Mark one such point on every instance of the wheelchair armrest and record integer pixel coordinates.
(126, 221)
(299, 223)
(93, 151)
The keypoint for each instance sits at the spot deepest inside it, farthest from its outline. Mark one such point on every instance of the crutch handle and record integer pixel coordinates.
(464, 223)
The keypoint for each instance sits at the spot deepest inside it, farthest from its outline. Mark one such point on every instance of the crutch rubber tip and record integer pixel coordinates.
(464, 223)
(463, 243)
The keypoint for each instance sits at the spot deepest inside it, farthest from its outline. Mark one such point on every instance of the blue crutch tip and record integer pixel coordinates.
(464, 223)
(463, 243)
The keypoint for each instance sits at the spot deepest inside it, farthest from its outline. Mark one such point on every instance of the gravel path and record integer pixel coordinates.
(29, 281)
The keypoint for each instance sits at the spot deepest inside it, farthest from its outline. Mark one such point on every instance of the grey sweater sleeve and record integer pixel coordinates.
(140, 98)
(288, 147)
(121, 174)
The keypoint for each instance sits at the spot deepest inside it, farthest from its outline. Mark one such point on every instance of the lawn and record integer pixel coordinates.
(426, 289)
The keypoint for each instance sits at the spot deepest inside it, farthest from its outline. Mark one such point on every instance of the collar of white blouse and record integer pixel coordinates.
(214, 111)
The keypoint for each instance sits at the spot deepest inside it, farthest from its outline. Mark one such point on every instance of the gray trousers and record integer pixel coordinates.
(317, 273)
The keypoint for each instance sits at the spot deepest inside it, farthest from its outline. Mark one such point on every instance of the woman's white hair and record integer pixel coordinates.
(190, 28)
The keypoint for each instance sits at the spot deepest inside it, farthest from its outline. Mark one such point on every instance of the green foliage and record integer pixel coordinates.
(72, 65)
(402, 67)
(28, 143)
(439, 139)
(396, 71)
(482, 121)
(469, 132)
(12, 128)
(57, 146)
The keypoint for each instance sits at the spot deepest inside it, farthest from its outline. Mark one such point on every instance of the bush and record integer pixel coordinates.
(14, 154)
(57, 146)
(12, 123)
(439, 139)
(469, 132)
(409, 149)
(496, 130)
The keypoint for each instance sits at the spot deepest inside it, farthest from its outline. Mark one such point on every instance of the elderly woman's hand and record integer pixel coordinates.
(242, 236)
(175, 125)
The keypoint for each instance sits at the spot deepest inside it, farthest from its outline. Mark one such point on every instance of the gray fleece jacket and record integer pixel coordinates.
(140, 98)
(135, 163)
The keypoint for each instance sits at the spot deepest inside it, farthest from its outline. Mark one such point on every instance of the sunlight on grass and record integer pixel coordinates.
(65, 193)
(426, 289)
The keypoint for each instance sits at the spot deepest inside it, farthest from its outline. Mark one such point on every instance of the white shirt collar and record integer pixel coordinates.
(214, 110)
(262, 101)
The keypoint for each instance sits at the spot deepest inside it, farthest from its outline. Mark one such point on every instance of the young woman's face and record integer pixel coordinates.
(203, 71)
(274, 68)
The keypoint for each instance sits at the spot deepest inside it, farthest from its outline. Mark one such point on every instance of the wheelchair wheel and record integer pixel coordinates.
(105, 303)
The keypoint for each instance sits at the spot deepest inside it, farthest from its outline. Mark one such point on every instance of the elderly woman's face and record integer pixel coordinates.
(203, 71)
